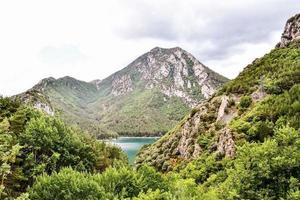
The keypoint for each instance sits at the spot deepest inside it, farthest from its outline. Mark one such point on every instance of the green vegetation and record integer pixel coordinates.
(245, 102)
(259, 171)
(125, 118)
(115, 183)
(275, 72)
(270, 114)
(33, 143)
(267, 170)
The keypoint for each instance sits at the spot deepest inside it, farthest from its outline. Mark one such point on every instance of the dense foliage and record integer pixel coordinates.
(33, 143)
(275, 72)
(115, 183)
(259, 171)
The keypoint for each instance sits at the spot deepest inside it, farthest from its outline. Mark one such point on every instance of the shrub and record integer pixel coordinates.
(154, 195)
(67, 184)
(204, 140)
(245, 102)
(119, 182)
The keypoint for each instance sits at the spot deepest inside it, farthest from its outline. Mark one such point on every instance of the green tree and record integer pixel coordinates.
(154, 195)
(119, 182)
(8, 153)
(264, 171)
(67, 184)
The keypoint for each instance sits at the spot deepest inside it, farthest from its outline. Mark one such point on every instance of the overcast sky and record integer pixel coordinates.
(92, 39)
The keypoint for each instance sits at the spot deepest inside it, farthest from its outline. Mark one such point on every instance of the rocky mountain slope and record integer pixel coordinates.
(147, 97)
(250, 108)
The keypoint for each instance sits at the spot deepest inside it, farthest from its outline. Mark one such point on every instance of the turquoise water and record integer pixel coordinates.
(131, 145)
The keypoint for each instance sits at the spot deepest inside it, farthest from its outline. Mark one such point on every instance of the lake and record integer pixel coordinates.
(131, 145)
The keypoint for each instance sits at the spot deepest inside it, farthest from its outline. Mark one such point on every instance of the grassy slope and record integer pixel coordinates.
(69, 97)
(140, 112)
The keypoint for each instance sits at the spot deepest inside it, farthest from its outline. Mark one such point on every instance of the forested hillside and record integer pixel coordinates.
(33, 143)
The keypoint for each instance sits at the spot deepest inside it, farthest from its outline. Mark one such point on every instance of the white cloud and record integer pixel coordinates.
(65, 54)
(91, 39)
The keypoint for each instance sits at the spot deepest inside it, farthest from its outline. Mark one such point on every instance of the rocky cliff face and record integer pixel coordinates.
(204, 129)
(174, 71)
(122, 85)
(291, 31)
(38, 100)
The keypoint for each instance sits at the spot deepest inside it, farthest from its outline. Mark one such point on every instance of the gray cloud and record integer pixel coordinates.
(214, 29)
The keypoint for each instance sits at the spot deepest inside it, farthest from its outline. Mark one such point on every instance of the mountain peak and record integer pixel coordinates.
(67, 78)
(49, 79)
(159, 49)
(156, 49)
(173, 71)
(291, 31)
(44, 83)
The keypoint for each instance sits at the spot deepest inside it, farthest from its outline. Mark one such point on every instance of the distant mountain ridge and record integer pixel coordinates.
(147, 97)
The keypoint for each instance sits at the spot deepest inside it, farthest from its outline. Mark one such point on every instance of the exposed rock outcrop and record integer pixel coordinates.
(38, 100)
(223, 106)
(122, 85)
(173, 71)
(226, 144)
(258, 95)
(189, 139)
(291, 31)
(44, 107)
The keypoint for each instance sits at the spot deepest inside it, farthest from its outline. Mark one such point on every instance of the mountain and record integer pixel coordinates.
(249, 109)
(147, 97)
